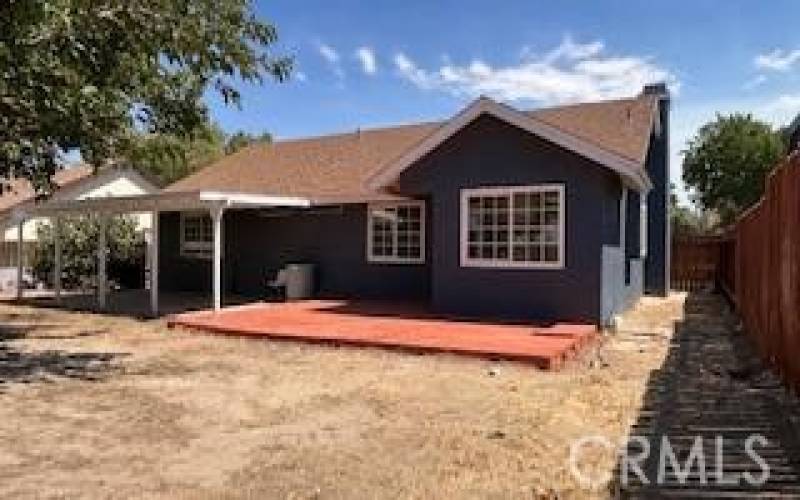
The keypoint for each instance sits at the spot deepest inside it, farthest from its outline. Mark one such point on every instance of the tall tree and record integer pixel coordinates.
(727, 162)
(169, 157)
(241, 139)
(85, 73)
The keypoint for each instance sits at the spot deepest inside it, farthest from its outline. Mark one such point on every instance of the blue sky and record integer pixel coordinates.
(367, 64)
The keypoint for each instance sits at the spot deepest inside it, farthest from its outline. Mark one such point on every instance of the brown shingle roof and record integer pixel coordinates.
(336, 166)
(20, 190)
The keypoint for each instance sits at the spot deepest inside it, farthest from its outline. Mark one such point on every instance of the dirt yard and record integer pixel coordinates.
(97, 406)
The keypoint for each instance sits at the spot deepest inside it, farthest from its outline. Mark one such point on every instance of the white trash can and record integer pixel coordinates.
(299, 281)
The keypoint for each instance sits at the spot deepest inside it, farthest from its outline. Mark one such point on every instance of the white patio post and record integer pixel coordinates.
(216, 223)
(57, 259)
(101, 263)
(20, 285)
(154, 264)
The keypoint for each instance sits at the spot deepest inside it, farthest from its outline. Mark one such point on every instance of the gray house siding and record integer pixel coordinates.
(622, 266)
(178, 273)
(258, 243)
(489, 152)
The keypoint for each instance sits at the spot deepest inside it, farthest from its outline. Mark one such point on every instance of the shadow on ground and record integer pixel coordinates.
(22, 363)
(710, 396)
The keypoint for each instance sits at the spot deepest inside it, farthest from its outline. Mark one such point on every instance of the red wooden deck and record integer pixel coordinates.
(398, 326)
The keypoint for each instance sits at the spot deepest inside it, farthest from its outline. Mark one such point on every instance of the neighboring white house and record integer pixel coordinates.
(73, 183)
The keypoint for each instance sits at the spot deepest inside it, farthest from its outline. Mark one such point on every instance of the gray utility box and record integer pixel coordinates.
(299, 281)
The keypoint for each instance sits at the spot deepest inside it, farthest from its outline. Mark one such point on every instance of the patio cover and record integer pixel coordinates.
(102, 207)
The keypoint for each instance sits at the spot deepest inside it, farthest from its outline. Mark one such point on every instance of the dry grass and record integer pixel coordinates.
(147, 412)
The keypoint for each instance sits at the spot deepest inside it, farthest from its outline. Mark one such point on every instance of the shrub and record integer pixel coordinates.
(79, 247)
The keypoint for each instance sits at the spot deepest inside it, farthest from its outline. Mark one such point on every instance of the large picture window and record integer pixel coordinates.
(519, 227)
(396, 232)
(197, 238)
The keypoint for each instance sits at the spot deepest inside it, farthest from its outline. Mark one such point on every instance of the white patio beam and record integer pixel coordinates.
(217, 212)
(163, 202)
(154, 242)
(57, 258)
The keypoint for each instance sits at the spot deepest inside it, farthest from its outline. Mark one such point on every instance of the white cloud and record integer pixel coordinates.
(300, 76)
(755, 82)
(332, 57)
(778, 60)
(328, 53)
(366, 56)
(409, 70)
(570, 72)
(780, 110)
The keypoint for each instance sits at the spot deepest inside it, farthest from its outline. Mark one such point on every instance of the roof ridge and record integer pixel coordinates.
(367, 130)
(532, 114)
(387, 128)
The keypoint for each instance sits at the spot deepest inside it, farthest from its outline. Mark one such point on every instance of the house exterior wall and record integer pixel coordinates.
(591, 286)
(176, 272)
(622, 265)
(612, 288)
(489, 152)
(260, 242)
(656, 269)
(634, 263)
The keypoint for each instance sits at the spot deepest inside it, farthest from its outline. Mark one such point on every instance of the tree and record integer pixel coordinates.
(241, 139)
(83, 74)
(169, 157)
(688, 221)
(79, 249)
(727, 162)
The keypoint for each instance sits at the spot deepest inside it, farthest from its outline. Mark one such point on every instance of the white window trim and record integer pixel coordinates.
(194, 249)
(466, 261)
(381, 259)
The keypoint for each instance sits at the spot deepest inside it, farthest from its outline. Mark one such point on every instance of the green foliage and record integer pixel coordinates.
(688, 221)
(241, 139)
(85, 74)
(727, 162)
(79, 236)
(169, 158)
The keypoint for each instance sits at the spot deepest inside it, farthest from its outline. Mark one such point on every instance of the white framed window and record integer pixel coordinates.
(514, 227)
(197, 237)
(396, 232)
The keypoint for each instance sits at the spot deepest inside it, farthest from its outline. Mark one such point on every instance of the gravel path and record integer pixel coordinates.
(713, 387)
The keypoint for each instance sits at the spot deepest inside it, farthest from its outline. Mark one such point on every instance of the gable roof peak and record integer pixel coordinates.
(630, 170)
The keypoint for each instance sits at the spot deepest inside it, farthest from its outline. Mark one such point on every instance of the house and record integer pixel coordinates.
(551, 214)
(76, 182)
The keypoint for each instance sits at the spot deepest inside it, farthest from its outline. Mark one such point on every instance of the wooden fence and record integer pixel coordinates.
(695, 262)
(759, 269)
